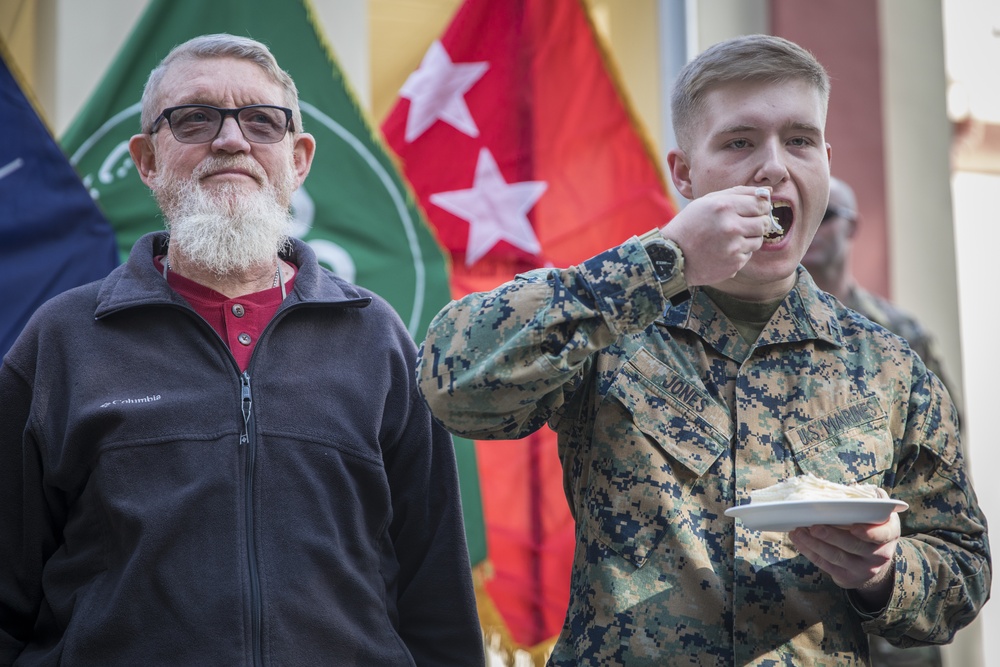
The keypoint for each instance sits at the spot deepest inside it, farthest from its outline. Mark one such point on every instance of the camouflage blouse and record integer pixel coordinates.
(666, 417)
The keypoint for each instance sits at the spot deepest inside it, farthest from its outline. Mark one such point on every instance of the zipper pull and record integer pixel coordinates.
(247, 401)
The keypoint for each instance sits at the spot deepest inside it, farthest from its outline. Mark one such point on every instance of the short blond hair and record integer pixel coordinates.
(762, 58)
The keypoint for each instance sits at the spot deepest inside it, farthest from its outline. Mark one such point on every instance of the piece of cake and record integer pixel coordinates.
(810, 487)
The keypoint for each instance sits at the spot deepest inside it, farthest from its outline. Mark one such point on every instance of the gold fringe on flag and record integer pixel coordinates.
(497, 636)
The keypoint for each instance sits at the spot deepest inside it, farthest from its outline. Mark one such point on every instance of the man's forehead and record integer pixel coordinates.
(748, 105)
(768, 82)
(213, 80)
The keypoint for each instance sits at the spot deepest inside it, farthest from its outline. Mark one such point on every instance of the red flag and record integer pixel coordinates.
(523, 153)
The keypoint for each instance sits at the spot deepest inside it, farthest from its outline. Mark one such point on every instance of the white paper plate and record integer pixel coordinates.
(783, 516)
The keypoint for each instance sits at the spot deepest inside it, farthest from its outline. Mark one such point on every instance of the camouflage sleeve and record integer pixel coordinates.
(942, 563)
(498, 364)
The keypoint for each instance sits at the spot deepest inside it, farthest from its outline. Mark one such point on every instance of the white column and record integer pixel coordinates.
(922, 230)
(918, 171)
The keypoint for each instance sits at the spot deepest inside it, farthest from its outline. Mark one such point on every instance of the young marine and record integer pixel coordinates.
(688, 367)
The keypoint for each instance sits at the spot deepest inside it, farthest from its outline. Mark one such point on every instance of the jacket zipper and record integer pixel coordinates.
(247, 440)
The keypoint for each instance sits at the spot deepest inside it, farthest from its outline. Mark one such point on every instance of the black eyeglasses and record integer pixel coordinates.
(200, 123)
(841, 211)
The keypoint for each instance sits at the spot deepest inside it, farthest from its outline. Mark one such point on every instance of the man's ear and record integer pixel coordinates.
(303, 152)
(143, 153)
(680, 172)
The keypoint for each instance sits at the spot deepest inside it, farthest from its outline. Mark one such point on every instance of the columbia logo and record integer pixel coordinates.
(132, 401)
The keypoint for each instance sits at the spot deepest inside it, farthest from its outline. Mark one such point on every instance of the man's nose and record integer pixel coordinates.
(230, 137)
(773, 168)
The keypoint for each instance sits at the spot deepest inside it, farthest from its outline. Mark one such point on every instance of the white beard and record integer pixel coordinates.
(228, 228)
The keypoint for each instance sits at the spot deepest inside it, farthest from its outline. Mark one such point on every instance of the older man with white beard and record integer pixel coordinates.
(217, 454)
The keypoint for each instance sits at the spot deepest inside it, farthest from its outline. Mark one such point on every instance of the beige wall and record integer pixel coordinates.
(17, 28)
(630, 31)
(377, 42)
(64, 46)
(401, 32)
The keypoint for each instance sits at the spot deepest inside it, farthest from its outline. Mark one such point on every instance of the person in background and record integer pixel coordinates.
(829, 263)
(217, 455)
(688, 367)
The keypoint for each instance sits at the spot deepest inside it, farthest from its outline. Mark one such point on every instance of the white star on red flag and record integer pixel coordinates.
(437, 91)
(495, 209)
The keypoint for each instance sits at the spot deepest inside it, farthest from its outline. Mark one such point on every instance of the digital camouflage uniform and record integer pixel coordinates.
(883, 312)
(664, 421)
(902, 324)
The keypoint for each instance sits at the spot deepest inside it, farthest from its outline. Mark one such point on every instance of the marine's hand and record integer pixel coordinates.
(858, 557)
(719, 232)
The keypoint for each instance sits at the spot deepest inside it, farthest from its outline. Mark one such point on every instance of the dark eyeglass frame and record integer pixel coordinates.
(223, 114)
(833, 211)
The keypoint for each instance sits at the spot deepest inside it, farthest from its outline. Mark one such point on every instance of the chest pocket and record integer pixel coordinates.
(851, 443)
(655, 436)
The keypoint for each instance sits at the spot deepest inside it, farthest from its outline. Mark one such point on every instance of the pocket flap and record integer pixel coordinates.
(676, 413)
(846, 445)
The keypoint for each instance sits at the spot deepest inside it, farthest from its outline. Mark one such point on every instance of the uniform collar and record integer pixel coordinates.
(806, 313)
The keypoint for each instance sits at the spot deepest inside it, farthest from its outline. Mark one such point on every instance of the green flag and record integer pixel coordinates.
(354, 209)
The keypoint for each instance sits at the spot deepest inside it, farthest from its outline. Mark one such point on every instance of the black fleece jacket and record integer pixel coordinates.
(157, 506)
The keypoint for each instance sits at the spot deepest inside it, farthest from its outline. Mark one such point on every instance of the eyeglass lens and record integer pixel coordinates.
(199, 124)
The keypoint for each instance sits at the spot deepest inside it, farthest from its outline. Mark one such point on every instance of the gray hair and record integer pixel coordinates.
(763, 58)
(218, 46)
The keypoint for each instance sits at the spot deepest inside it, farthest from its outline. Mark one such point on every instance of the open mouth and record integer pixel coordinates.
(782, 213)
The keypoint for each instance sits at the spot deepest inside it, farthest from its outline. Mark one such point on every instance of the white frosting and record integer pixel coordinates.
(810, 487)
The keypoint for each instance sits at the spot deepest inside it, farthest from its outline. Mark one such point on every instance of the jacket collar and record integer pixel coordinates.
(138, 283)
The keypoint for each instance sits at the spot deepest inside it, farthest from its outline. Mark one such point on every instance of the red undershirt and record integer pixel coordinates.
(240, 321)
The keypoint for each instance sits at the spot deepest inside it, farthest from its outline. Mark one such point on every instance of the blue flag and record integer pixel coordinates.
(52, 235)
